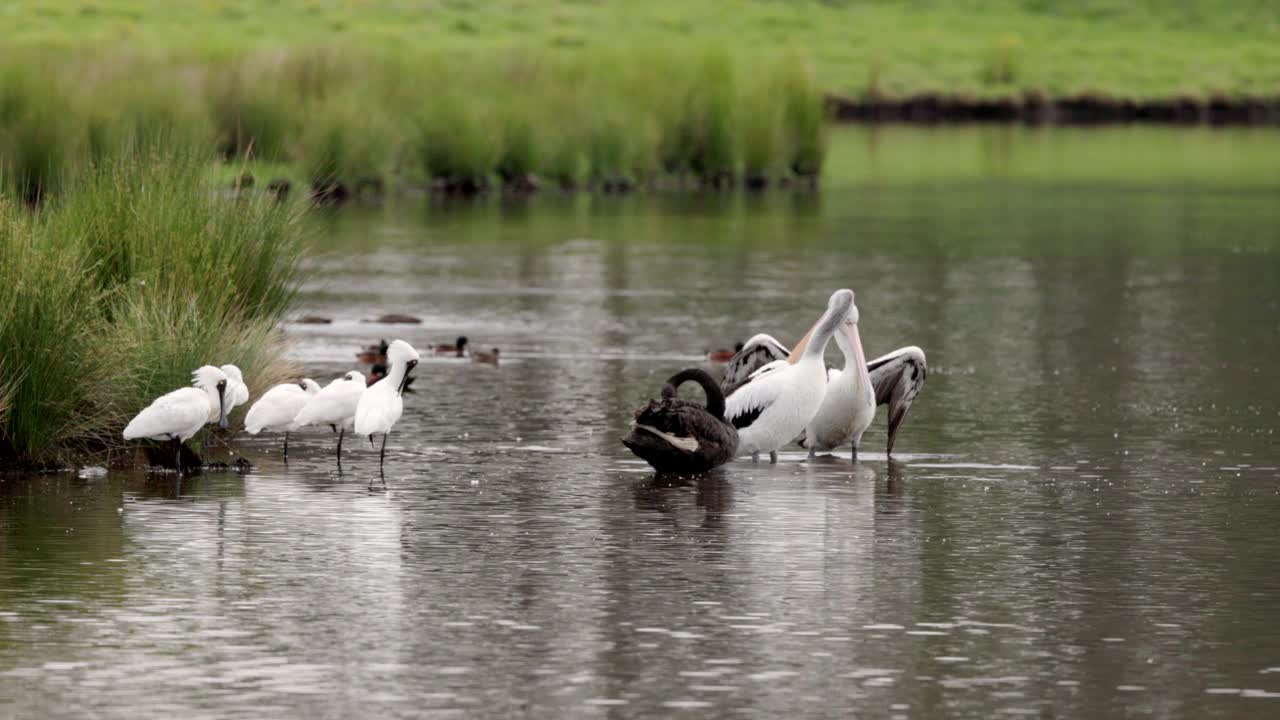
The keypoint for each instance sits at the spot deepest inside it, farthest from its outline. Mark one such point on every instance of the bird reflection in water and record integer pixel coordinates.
(669, 495)
(892, 500)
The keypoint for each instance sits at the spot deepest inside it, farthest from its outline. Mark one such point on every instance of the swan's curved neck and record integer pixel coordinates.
(715, 396)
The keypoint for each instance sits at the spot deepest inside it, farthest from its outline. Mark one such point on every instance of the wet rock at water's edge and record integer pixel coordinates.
(329, 193)
(397, 319)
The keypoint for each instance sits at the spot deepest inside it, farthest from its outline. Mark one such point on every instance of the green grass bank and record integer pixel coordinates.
(1124, 48)
(114, 291)
(462, 95)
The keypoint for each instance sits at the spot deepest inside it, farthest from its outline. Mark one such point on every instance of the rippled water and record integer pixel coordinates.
(1083, 518)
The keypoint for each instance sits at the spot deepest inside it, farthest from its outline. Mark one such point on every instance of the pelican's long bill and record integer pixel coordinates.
(222, 404)
(855, 342)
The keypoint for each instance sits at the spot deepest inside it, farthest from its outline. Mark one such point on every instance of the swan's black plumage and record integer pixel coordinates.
(677, 436)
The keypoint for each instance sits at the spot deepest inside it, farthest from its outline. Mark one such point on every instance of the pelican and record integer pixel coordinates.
(334, 406)
(675, 436)
(776, 402)
(237, 392)
(277, 408)
(180, 414)
(381, 404)
(848, 409)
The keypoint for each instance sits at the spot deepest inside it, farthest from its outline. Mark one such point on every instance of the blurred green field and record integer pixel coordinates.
(1130, 48)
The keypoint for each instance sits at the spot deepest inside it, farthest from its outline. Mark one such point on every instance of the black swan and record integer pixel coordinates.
(676, 436)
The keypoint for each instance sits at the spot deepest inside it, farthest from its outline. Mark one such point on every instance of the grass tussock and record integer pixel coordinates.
(113, 292)
(445, 118)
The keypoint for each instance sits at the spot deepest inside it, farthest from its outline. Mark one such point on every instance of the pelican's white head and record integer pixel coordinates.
(310, 386)
(354, 376)
(214, 382)
(402, 358)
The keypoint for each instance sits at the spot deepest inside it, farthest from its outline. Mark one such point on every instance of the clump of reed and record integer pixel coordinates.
(40, 131)
(115, 289)
(1000, 64)
(454, 120)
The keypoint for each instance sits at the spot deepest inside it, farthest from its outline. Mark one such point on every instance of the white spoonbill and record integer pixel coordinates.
(180, 414)
(896, 379)
(334, 406)
(237, 392)
(381, 404)
(775, 403)
(277, 408)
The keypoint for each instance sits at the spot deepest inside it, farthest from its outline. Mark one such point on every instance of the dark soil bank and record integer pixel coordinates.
(928, 108)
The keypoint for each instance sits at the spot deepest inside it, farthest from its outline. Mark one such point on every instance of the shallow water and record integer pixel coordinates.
(1081, 519)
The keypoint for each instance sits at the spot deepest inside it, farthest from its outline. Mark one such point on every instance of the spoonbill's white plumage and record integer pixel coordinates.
(237, 392)
(334, 406)
(382, 403)
(276, 409)
(178, 415)
(775, 403)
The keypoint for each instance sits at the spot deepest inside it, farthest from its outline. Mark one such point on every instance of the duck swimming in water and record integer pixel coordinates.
(724, 356)
(677, 436)
(486, 358)
(457, 349)
(373, 354)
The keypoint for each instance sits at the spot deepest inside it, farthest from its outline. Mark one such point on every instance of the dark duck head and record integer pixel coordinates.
(677, 436)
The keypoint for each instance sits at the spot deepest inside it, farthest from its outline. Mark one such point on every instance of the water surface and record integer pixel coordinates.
(1081, 519)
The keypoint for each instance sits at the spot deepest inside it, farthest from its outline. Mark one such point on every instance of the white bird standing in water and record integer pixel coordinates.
(777, 401)
(334, 406)
(895, 380)
(850, 403)
(381, 404)
(237, 392)
(277, 408)
(180, 414)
